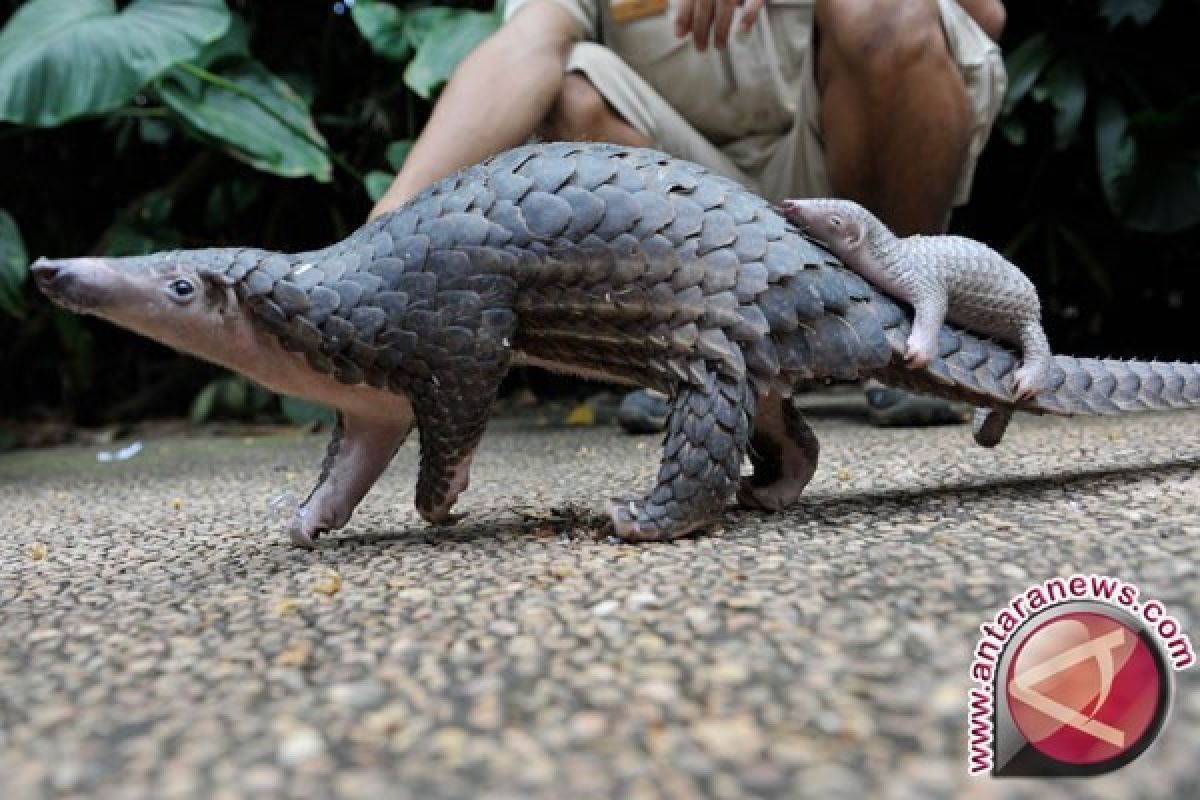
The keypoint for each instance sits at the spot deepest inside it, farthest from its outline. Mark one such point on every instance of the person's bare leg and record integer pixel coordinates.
(894, 109)
(581, 114)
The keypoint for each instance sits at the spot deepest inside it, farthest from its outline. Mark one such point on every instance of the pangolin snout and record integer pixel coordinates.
(48, 274)
(74, 283)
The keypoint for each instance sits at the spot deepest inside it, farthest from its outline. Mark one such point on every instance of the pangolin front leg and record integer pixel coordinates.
(358, 453)
(707, 433)
(783, 451)
(451, 417)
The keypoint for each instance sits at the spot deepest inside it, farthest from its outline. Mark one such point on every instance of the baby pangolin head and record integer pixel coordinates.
(841, 225)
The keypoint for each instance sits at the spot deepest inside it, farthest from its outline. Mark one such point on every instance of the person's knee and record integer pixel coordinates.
(881, 36)
(578, 111)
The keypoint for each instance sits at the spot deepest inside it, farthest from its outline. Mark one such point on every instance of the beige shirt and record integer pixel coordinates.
(752, 87)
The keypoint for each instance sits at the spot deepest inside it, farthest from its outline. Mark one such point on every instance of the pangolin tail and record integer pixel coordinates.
(980, 371)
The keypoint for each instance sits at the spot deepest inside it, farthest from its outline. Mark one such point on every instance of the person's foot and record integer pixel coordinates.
(888, 407)
(643, 411)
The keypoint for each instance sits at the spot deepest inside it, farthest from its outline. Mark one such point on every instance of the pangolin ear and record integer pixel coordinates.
(854, 233)
(218, 291)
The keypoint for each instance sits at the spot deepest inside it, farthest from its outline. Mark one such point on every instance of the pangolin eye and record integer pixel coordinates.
(835, 221)
(181, 289)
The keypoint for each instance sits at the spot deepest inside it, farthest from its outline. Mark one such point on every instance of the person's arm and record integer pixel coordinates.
(495, 100)
(989, 15)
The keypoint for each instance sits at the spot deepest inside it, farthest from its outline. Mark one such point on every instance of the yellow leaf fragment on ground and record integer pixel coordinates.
(296, 654)
(38, 552)
(331, 585)
(843, 474)
(177, 503)
(1114, 436)
(582, 414)
(286, 605)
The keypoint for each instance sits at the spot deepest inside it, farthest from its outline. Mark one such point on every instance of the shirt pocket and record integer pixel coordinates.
(642, 42)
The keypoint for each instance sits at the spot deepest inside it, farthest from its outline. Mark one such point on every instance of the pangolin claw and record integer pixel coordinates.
(300, 535)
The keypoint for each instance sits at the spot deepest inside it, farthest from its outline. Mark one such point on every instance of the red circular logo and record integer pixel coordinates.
(1083, 688)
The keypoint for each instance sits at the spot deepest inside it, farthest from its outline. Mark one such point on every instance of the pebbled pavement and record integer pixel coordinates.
(160, 639)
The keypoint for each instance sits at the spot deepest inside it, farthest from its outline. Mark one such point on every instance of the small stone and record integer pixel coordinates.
(843, 474)
(587, 725)
(359, 695)
(414, 594)
(449, 743)
(300, 745)
(744, 602)
(38, 552)
(604, 608)
(177, 503)
(262, 778)
(504, 627)
(643, 600)
(738, 739)
(728, 673)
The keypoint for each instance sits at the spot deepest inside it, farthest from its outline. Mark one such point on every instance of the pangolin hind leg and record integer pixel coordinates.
(358, 453)
(1035, 359)
(783, 452)
(707, 433)
(989, 425)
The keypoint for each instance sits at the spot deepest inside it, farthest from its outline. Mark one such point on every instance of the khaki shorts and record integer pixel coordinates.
(752, 112)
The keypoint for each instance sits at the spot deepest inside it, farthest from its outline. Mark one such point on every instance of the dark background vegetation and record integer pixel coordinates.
(1091, 181)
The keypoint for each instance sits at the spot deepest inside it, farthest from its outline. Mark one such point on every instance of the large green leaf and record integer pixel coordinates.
(229, 111)
(60, 59)
(383, 26)
(14, 266)
(449, 37)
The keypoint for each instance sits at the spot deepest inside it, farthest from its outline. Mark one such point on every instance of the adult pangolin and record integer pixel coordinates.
(608, 262)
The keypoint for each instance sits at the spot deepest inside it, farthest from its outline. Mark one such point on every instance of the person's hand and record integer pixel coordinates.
(699, 17)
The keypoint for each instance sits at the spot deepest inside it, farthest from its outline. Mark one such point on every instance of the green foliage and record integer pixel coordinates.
(1140, 11)
(13, 266)
(231, 397)
(60, 59)
(1088, 69)
(302, 412)
(253, 114)
(383, 26)
(447, 40)
(232, 99)
(378, 181)
(437, 37)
